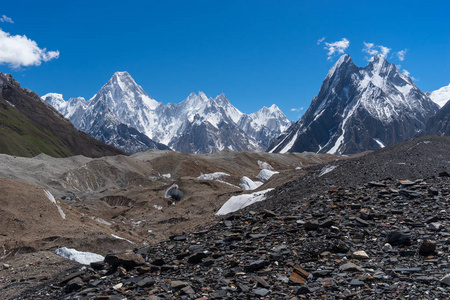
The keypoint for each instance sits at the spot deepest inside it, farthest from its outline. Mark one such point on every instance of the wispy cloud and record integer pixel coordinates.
(401, 54)
(406, 73)
(319, 41)
(297, 109)
(337, 47)
(5, 19)
(18, 50)
(372, 50)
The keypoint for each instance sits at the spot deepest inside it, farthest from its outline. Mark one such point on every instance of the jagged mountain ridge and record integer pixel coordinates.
(29, 127)
(359, 109)
(198, 124)
(439, 124)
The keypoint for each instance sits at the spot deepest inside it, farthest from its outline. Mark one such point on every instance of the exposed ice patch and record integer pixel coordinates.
(265, 174)
(248, 184)
(326, 170)
(238, 202)
(264, 165)
(213, 176)
(84, 258)
(121, 238)
(168, 176)
(298, 168)
(52, 199)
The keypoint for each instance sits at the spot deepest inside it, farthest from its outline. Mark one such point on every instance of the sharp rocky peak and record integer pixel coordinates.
(343, 63)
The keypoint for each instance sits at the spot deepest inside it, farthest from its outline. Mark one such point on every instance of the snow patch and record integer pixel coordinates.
(84, 258)
(158, 207)
(380, 143)
(212, 176)
(238, 202)
(248, 184)
(326, 170)
(52, 199)
(121, 238)
(441, 96)
(290, 144)
(167, 176)
(101, 221)
(265, 174)
(264, 165)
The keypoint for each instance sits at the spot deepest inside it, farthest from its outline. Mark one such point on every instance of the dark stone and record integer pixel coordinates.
(261, 292)
(261, 282)
(427, 248)
(255, 265)
(127, 260)
(197, 258)
(176, 284)
(178, 238)
(327, 223)
(398, 238)
(98, 265)
(146, 282)
(303, 290)
(356, 282)
(361, 223)
(73, 285)
(311, 225)
(158, 262)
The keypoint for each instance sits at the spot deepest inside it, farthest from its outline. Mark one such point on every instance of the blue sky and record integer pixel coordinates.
(256, 52)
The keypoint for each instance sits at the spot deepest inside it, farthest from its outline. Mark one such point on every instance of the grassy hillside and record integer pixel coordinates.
(18, 136)
(29, 126)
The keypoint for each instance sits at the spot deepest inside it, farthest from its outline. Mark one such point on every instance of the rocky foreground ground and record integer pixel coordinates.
(386, 239)
(370, 227)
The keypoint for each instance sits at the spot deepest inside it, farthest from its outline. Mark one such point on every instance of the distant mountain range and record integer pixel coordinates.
(359, 109)
(29, 127)
(122, 114)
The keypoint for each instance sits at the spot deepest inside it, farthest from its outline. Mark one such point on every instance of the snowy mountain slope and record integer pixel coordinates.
(439, 124)
(98, 118)
(359, 109)
(440, 96)
(198, 124)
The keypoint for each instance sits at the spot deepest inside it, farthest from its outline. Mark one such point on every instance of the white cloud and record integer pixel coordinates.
(406, 73)
(5, 19)
(401, 54)
(18, 50)
(337, 47)
(297, 109)
(372, 50)
(319, 41)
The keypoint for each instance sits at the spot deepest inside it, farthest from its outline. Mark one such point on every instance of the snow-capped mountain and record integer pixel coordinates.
(440, 96)
(439, 124)
(359, 109)
(102, 117)
(198, 124)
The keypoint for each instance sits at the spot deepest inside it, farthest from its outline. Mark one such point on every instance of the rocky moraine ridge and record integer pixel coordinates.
(385, 238)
